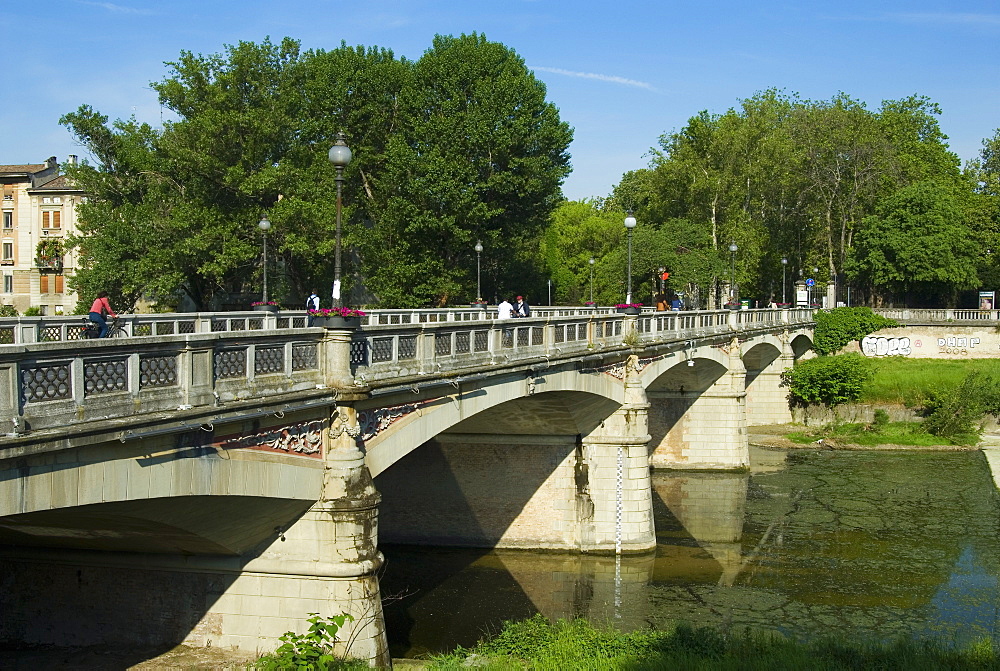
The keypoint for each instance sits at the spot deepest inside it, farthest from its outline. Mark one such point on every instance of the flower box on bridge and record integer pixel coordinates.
(337, 322)
(337, 318)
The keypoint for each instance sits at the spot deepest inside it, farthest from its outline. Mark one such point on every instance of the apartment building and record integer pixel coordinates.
(39, 211)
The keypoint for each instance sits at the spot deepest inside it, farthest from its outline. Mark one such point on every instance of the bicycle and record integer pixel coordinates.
(116, 329)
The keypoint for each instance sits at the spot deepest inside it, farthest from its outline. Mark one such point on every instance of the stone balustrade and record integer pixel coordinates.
(49, 377)
(58, 384)
(931, 316)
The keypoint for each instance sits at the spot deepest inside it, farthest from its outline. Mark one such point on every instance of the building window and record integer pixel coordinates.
(57, 199)
(51, 219)
(8, 250)
(8, 219)
(46, 200)
(8, 192)
(8, 284)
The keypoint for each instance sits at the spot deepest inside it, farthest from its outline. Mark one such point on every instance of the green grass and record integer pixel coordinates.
(909, 381)
(537, 644)
(894, 433)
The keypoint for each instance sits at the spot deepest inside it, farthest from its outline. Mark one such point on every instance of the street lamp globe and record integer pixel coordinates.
(340, 154)
(340, 157)
(479, 289)
(784, 265)
(264, 225)
(629, 225)
(733, 247)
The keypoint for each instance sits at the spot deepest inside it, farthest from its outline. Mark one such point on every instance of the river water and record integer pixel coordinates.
(873, 544)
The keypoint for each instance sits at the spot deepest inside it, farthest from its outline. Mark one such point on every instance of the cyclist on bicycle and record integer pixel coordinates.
(98, 310)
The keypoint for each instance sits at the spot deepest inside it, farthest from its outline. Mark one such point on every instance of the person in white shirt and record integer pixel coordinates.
(312, 303)
(505, 311)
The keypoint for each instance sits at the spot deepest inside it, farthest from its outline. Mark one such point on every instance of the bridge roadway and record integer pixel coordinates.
(233, 472)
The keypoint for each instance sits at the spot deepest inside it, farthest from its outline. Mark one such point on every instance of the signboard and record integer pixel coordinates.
(801, 297)
(810, 282)
(986, 300)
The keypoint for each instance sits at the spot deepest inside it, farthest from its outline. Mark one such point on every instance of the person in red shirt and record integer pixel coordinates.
(98, 310)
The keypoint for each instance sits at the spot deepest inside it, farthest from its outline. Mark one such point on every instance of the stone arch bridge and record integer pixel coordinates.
(232, 473)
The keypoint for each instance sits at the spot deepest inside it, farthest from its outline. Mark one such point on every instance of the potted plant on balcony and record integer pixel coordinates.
(265, 306)
(479, 304)
(628, 308)
(337, 318)
(49, 253)
(590, 304)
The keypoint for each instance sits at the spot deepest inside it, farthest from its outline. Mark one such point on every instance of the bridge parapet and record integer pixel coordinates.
(930, 316)
(57, 384)
(23, 330)
(385, 352)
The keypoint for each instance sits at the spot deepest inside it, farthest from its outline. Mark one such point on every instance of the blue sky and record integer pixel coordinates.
(621, 73)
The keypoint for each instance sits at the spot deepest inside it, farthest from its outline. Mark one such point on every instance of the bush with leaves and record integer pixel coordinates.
(8, 311)
(311, 651)
(830, 380)
(840, 326)
(956, 413)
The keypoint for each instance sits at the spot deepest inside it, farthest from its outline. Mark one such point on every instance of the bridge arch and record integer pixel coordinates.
(595, 396)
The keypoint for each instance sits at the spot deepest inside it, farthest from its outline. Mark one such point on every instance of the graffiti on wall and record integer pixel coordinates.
(955, 345)
(902, 346)
(882, 346)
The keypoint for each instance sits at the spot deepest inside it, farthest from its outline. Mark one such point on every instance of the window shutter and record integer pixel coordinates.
(56, 217)
(43, 284)
(45, 219)
(59, 284)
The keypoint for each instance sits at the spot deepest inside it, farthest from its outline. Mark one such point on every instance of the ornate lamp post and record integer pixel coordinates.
(340, 157)
(591, 262)
(479, 251)
(732, 271)
(784, 265)
(629, 225)
(265, 225)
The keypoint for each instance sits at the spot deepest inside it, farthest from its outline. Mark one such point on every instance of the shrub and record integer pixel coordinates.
(311, 651)
(8, 311)
(830, 380)
(837, 327)
(956, 412)
(33, 311)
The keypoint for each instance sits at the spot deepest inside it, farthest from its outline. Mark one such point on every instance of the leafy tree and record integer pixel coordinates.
(481, 155)
(918, 244)
(457, 146)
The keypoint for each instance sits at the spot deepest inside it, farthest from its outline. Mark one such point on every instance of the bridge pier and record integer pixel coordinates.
(767, 400)
(325, 562)
(703, 426)
(615, 476)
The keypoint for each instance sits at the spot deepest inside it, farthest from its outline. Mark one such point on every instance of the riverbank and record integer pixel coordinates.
(776, 436)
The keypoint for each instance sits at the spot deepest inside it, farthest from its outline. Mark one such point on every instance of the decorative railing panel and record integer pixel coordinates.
(230, 363)
(269, 360)
(46, 382)
(158, 371)
(102, 376)
(304, 357)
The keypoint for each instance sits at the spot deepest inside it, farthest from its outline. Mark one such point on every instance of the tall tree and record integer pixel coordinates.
(481, 156)
(917, 246)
